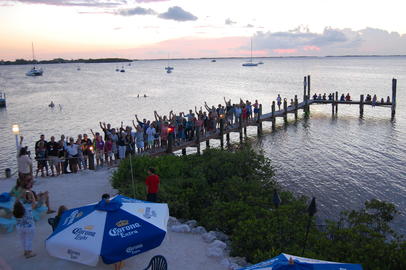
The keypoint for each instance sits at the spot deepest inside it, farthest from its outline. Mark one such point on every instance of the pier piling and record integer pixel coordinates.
(222, 133)
(361, 106)
(273, 115)
(285, 110)
(296, 105)
(393, 108)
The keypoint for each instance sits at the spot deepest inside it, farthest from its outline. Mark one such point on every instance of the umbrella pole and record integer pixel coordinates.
(132, 174)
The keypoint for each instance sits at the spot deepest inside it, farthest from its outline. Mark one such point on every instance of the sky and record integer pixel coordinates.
(152, 29)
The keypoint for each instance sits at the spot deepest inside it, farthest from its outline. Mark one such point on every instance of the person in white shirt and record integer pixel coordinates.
(24, 163)
(72, 150)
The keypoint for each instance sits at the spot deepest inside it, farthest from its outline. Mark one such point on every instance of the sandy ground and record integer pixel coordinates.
(182, 251)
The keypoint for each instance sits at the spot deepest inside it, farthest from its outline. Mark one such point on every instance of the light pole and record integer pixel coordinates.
(277, 201)
(311, 210)
(16, 132)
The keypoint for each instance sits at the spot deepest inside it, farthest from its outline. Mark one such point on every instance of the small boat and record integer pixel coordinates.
(122, 69)
(78, 68)
(169, 68)
(214, 60)
(117, 69)
(250, 63)
(2, 100)
(34, 71)
(260, 63)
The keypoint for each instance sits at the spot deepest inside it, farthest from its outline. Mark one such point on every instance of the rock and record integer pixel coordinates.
(222, 236)
(218, 244)
(199, 230)
(225, 262)
(182, 228)
(209, 237)
(215, 252)
(192, 223)
(239, 260)
(173, 221)
(233, 266)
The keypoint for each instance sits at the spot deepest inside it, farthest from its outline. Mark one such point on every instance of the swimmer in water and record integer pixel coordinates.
(51, 104)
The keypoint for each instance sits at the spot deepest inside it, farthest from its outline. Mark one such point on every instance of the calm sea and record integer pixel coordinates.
(342, 161)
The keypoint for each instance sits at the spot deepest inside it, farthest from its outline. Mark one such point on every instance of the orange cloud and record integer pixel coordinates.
(284, 51)
(311, 48)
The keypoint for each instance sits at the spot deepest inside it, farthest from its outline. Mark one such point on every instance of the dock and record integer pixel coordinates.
(241, 126)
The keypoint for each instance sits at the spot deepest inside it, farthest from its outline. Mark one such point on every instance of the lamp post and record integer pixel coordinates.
(16, 132)
(311, 210)
(277, 201)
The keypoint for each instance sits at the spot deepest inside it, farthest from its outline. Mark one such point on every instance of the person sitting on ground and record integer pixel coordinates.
(57, 218)
(324, 96)
(315, 96)
(342, 98)
(292, 103)
(388, 99)
(106, 197)
(39, 198)
(330, 96)
(382, 100)
(319, 97)
(17, 191)
(348, 97)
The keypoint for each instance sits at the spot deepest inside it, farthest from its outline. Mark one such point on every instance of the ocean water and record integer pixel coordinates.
(342, 160)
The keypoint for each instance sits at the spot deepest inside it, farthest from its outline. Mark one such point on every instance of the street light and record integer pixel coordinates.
(277, 201)
(311, 210)
(16, 132)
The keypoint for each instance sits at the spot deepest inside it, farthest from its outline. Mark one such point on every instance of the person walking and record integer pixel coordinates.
(152, 185)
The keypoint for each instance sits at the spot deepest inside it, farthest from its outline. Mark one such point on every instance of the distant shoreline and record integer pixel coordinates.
(121, 60)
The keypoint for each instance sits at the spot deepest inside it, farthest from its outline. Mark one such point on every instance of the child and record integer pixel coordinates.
(25, 225)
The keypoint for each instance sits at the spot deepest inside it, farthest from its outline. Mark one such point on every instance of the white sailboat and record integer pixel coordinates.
(34, 71)
(169, 68)
(250, 63)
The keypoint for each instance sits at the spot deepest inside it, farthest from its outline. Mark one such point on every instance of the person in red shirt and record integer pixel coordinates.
(152, 185)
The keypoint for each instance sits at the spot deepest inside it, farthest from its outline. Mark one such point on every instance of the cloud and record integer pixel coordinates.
(80, 3)
(135, 11)
(178, 14)
(229, 21)
(301, 41)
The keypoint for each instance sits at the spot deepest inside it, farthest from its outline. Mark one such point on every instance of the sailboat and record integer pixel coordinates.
(169, 68)
(250, 63)
(34, 71)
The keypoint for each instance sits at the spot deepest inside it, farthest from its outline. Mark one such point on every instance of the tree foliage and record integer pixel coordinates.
(231, 191)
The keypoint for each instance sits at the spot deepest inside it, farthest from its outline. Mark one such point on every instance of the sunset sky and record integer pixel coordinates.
(144, 29)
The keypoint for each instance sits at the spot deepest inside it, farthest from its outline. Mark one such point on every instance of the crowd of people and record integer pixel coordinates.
(368, 98)
(71, 154)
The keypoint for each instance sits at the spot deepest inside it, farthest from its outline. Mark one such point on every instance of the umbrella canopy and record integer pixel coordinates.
(115, 230)
(281, 262)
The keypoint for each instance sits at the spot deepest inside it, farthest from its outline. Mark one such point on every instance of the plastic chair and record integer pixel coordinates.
(157, 262)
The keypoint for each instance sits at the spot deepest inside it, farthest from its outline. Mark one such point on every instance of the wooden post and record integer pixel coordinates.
(308, 86)
(240, 127)
(336, 102)
(296, 102)
(222, 133)
(361, 106)
(393, 108)
(285, 110)
(273, 115)
(208, 144)
(228, 138)
(304, 88)
(170, 143)
(198, 140)
(184, 151)
(259, 121)
(332, 105)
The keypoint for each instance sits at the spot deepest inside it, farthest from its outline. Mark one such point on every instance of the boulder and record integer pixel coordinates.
(215, 252)
(199, 230)
(182, 228)
(192, 223)
(218, 244)
(222, 236)
(173, 221)
(209, 237)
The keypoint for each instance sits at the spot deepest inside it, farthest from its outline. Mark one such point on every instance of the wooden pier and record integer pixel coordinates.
(241, 126)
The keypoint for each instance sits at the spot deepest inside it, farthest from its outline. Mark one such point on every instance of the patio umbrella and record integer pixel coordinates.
(114, 230)
(291, 262)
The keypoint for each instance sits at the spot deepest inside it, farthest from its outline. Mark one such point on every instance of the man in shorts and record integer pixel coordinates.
(53, 148)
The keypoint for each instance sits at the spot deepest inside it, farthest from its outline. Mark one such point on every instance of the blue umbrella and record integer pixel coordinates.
(114, 230)
(291, 262)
